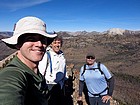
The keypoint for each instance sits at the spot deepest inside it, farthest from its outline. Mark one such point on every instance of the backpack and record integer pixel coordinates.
(99, 68)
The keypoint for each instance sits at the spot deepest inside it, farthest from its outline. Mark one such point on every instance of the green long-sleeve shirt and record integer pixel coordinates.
(19, 85)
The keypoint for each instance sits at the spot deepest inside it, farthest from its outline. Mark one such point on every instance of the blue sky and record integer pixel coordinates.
(73, 15)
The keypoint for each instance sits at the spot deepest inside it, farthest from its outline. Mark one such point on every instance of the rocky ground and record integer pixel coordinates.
(121, 54)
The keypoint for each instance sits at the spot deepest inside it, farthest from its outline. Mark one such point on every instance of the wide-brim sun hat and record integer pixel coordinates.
(26, 25)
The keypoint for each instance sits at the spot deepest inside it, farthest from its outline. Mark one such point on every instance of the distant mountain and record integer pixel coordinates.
(6, 34)
(83, 33)
(118, 31)
(112, 31)
(5, 50)
(115, 31)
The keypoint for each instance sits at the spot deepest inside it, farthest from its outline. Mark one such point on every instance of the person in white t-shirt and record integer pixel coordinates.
(53, 67)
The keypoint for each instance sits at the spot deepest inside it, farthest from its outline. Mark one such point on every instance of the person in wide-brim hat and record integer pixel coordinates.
(21, 83)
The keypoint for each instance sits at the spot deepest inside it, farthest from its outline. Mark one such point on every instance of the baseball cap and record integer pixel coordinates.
(26, 25)
(90, 54)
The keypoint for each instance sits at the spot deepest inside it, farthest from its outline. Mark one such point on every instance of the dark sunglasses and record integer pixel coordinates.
(90, 57)
(33, 38)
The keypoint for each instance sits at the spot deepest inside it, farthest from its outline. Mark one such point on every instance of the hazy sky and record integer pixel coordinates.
(73, 15)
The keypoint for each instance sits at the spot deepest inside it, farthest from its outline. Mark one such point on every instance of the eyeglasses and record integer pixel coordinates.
(90, 57)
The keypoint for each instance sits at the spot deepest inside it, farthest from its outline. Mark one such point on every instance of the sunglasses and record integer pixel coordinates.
(90, 57)
(33, 38)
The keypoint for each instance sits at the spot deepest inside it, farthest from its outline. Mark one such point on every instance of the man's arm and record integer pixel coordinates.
(111, 85)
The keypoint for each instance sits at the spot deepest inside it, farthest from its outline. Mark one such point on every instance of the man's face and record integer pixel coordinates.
(90, 60)
(33, 48)
(56, 45)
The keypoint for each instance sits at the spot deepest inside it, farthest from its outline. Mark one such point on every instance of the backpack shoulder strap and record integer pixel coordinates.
(99, 63)
(48, 61)
(98, 67)
(84, 68)
(102, 73)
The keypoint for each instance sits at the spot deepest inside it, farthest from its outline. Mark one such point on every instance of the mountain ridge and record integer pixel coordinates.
(111, 31)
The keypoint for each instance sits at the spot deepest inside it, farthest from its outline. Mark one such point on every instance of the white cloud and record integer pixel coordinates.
(18, 4)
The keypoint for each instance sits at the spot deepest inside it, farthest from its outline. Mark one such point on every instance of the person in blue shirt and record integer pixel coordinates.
(99, 83)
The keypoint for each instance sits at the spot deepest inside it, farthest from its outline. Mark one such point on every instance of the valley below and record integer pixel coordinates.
(120, 53)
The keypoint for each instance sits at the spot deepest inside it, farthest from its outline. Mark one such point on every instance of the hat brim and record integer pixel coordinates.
(13, 40)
